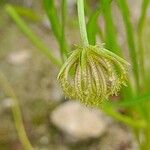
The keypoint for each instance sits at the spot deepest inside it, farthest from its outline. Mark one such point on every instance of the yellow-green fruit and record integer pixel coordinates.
(91, 74)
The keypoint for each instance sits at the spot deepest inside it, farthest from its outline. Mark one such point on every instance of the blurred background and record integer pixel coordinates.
(51, 121)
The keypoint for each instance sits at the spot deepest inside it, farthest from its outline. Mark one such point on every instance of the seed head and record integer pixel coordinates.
(91, 74)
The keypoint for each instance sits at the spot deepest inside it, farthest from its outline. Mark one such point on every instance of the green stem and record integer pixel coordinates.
(92, 26)
(130, 39)
(16, 113)
(145, 145)
(82, 25)
(144, 8)
(122, 118)
(31, 36)
(63, 43)
(110, 29)
(57, 25)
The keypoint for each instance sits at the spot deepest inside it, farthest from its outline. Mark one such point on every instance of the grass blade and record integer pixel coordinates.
(130, 38)
(56, 26)
(144, 8)
(110, 30)
(141, 21)
(92, 26)
(123, 118)
(16, 113)
(131, 102)
(53, 18)
(28, 13)
(64, 45)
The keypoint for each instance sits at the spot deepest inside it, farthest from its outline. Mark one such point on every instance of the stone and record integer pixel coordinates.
(118, 137)
(19, 57)
(78, 121)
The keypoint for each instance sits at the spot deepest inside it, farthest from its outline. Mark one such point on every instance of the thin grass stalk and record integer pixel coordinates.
(130, 39)
(56, 25)
(141, 21)
(92, 26)
(131, 102)
(82, 24)
(16, 113)
(64, 45)
(110, 30)
(145, 144)
(123, 118)
(28, 13)
(53, 18)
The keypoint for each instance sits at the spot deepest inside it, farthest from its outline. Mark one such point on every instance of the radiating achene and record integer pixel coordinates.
(92, 73)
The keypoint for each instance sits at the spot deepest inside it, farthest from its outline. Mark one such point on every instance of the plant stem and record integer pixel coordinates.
(110, 29)
(123, 6)
(82, 25)
(141, 21)
(131, 102)
(92, 26)
(63, 43)
(57, 25)
(123, 118)
(145, 145)
(16, 113)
